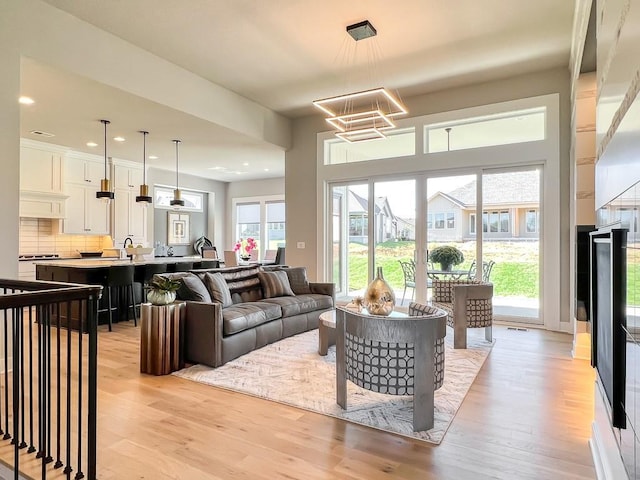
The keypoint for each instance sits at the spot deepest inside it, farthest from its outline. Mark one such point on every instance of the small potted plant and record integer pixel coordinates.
(446, 256)
(162, 290)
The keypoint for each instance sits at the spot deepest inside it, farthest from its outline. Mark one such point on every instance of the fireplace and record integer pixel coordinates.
(608, 316)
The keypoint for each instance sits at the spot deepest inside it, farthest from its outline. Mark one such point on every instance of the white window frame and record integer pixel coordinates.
(262, 200)
(186, 193)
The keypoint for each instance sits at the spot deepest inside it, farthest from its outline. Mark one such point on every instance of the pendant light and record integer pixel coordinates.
(105, 192)
(144, 197)
(177, 200)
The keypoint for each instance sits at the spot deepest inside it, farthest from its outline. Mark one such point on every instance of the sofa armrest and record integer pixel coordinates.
(203, 333)
(324, 289)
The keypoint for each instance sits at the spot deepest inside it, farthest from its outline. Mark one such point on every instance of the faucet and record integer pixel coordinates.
(125, 242)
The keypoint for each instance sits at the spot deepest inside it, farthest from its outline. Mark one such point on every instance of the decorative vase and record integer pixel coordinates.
(161, 297)
(379, 297)
(245, 258)
(446, 267)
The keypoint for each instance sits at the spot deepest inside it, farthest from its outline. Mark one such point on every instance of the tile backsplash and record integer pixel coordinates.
(39, 236)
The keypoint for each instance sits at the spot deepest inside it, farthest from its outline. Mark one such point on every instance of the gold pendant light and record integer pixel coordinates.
(144, 197)
(105, 192)
(177, 200)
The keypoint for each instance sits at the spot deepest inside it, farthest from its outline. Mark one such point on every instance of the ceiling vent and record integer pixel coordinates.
(41, 133)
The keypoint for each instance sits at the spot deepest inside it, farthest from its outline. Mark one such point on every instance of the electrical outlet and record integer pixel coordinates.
(301, 245)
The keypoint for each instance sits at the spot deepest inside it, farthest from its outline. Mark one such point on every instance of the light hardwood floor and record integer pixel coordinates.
(527, 416)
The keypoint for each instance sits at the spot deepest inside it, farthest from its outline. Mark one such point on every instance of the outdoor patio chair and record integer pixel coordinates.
(486, 270)
(409, 272)
(468, 303)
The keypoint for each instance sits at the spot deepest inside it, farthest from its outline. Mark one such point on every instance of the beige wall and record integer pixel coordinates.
(303, 222)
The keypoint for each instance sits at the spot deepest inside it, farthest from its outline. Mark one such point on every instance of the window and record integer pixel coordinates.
(429, 221)
(398, 143)
(193, 201)
(439, 220)
(451, 220)
(262, 219)
(531, 220)
(275, 225)
(485, 222)
(472, 223)
(499, 129)
(498, 221)
(358, 226)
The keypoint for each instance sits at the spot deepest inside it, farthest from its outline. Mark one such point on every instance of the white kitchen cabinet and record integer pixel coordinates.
(40, 169)
(85, 214)
(129, 217)
(127, 176)
(84, 170)
(41, 180)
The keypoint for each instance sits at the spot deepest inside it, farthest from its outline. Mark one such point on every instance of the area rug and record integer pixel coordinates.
(291, 371)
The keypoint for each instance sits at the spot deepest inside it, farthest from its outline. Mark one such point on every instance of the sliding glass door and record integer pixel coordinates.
(490, 220)
(511, 227)
(349, 233)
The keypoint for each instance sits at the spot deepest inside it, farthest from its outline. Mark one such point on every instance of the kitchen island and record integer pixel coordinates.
(94, 272)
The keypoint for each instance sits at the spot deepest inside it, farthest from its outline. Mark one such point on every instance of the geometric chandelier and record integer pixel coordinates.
(363, 115)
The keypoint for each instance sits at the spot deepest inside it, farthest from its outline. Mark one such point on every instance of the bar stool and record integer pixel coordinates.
(120, 277)
(144, 273)
(181, 267)
(207, 264)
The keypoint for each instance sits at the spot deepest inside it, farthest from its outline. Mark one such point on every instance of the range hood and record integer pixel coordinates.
(42, 204)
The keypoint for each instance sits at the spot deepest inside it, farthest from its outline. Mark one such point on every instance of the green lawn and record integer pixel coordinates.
(512, 275)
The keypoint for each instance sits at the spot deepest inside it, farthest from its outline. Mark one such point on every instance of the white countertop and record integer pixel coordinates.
(102, 262)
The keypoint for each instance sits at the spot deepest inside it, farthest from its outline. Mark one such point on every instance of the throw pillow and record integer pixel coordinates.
(298, 280)
(275, 284)
(193, 289)
(218, 288)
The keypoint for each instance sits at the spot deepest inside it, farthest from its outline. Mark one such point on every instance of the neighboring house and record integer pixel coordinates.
(511, 209)
(386, 223)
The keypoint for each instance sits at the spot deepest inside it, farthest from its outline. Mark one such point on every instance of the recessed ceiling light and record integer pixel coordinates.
(92, 144)
(266, 169)
(217, 168)
(239, 173)
(26, 100)
(119, 139)
(153, 157)
(246, 164)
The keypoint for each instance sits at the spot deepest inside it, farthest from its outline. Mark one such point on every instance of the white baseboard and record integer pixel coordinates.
(605, 449)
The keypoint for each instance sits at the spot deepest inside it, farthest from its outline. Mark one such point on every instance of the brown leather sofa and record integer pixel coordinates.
(219, 328)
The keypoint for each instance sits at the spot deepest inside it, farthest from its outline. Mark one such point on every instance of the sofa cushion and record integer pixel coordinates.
(275, 284)
(298, 280)
(192, 288)
(244, 316)
(218, 289)
(301, 303)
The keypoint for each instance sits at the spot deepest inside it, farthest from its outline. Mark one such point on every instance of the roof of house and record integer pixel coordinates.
(500, 189)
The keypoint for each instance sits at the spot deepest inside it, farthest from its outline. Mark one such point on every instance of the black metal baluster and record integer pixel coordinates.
(92, 427)
(23, 443)
(17, 353)
(32, 447)
(49, 359)
(59, 463)
(79, 474)
(68, 469)
(42, 423)
(7, 435)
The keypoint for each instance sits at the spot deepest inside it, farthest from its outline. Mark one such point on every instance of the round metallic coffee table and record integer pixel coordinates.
(326, 331)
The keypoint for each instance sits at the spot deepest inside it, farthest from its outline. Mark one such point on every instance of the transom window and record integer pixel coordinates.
(193, 201)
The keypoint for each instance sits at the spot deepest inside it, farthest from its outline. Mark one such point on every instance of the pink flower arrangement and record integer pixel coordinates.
(245, 246)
